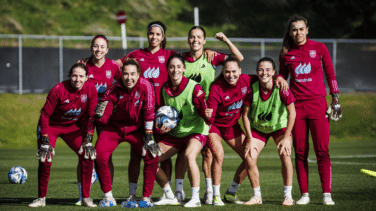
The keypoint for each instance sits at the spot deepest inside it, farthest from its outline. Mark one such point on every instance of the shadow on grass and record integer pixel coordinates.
(27, 201)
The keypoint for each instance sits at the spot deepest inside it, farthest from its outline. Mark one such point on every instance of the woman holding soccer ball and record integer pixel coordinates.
(305, 61)
(127, 114)
(188, 98)
(61, 116)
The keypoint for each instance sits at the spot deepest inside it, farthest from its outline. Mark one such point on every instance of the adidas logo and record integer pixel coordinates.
(203, 66)
(91, 76)
(227, 97)
(66, 101)
(121, 97)
(142, 59)
(292, 58)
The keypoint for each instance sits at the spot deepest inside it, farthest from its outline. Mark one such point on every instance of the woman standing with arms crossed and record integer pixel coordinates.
(102, 72)
(305, 61)
(270, 112)
(60, 117)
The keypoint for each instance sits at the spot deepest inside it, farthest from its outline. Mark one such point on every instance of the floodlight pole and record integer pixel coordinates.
(124, 35)
(196, 16)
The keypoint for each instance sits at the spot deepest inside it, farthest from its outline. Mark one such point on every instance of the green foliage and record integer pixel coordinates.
(350, 189)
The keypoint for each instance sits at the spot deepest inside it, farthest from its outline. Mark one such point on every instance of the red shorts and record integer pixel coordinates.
(227, 133)
(265, 136)
(181, 143)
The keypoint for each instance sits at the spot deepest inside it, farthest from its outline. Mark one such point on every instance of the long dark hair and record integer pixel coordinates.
(197, 27)
(80, 65)
(161, 26)
(220, 76)
(287, 39)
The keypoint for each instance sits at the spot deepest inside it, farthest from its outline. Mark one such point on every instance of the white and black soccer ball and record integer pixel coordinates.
(168, 116)
(17, 175)
(94, 177)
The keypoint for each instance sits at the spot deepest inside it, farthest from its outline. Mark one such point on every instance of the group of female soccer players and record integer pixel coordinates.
(209, 108)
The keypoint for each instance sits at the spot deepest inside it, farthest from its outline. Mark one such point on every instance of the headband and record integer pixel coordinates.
(158, 26)
(99, 36)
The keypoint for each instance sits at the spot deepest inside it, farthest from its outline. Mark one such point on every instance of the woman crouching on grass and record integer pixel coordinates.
(61, 116)
(271, 113)
(188, 98)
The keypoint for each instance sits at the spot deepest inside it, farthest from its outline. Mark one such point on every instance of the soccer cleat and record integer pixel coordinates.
(287, 201)
(88, 202)
(217, 201)
(107, 202)
(164, 200)
(208, 197)
(193, 203)
(232, 198)
(254, 201)
(131, 202)
(78, 203)
(304, 199)
(146, 202)
(39, 202)
(327, 199)
(180, 196)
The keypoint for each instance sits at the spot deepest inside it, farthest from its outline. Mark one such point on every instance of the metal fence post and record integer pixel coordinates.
(142, 43)
(262, 48)
(20, 65)
(61, 58)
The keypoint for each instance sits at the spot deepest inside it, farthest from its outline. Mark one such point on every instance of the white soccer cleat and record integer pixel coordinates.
(327, 199)
(131, 202)
(164, 200)
(208, 198)
(107, 202)
(217, 201)
(287, 201)
(180, 196)
(39, 202)
(78, 203)
(232, 198)
(88, 202)
(304, 199)
(254, 201)
(193, 203)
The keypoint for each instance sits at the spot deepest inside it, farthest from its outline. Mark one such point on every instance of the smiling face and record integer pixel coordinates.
(130, 76)
(78, 78)
(298, 32)
(175, 70)
(155, 36)
(99, 48)
(265, 72)
(196, 40)
(231, 72)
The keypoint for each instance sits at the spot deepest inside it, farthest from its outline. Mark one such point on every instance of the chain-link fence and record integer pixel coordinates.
(35, 63)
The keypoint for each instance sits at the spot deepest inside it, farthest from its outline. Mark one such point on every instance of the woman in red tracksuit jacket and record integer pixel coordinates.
(128, 116)
(305, 61)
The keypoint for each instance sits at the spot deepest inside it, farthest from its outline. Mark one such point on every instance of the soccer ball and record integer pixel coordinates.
(17, 175)
(94, 177)
(167, 116)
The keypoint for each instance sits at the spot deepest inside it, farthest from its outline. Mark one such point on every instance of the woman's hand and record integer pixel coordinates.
(164, 129)
(221, 37)
(282, 83)
(284, 146)
(250, 148)
(208, 113)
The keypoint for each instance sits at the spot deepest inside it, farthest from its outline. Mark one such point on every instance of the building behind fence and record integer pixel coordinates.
(37, 69)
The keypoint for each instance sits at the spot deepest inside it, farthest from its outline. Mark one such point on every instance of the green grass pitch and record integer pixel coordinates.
(351, 189)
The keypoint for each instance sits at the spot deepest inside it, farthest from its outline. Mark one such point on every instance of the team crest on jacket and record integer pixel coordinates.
(312, 53)
(108, 74)
(161, 59)
(137, 95)
(244, 90)
(83, 98)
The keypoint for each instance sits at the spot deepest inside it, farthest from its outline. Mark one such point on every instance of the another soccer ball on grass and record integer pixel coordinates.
(17, 175)
(167, 116)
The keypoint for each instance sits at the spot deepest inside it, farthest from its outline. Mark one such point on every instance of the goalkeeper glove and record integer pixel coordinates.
(45, 150)
(334, 109)
(149, 144)
(99, 109)
(87, 148)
